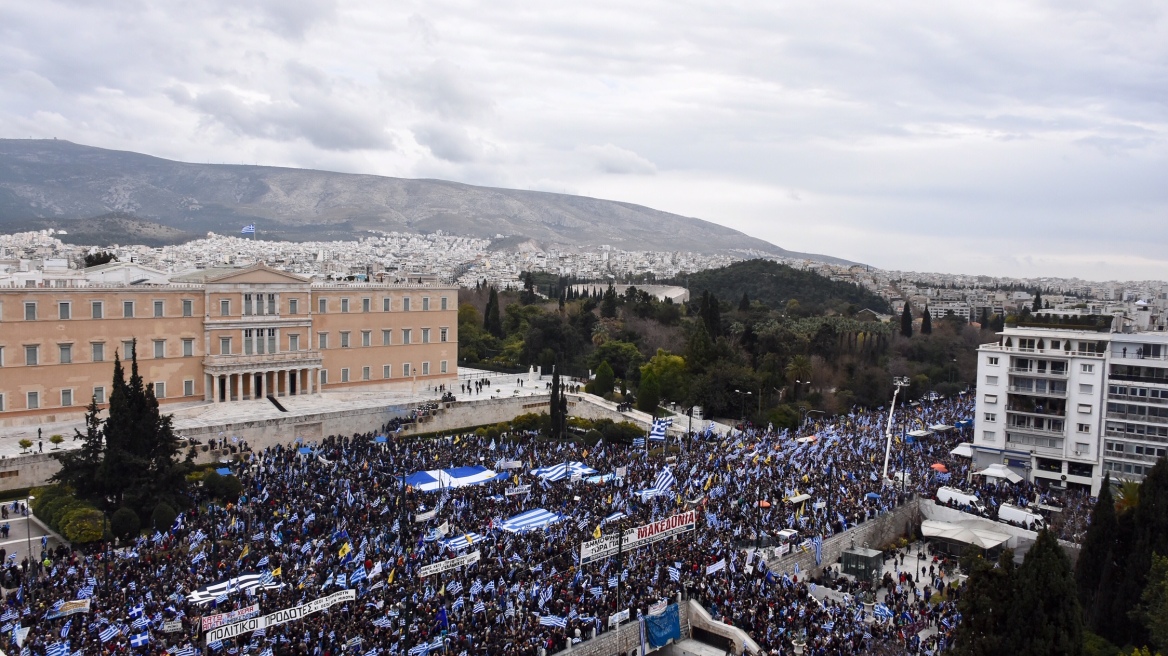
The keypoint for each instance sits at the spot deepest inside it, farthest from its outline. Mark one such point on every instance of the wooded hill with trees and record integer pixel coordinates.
(734, 355)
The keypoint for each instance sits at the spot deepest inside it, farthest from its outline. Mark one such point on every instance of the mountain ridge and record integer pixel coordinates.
(48, 181)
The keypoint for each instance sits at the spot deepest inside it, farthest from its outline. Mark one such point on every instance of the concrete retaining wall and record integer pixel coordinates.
(626, 639)
(874, 534)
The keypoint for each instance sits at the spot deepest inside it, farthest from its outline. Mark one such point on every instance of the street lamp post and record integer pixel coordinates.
(898, 382)
(742, 403)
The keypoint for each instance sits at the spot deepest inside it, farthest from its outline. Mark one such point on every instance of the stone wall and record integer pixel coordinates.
(626, 639)
(874, 534)
(27, 470)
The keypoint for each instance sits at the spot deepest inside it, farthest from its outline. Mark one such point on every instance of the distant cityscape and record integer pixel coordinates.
(41, 258)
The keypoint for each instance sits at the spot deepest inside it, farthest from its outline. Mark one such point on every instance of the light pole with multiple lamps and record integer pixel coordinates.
(898, 382)
(742, 404)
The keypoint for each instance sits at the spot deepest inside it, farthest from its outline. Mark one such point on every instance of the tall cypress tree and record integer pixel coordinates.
(1098, 545)
(906, 321)
(926, 322)
(985, 607)
(1045, 616)
(491, 321)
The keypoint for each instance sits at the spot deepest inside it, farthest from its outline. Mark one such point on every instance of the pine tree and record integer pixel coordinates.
(1037, 304)
(649, 393)
(1045, 616)
(906, 321)
(985, 607)
(744, 304)
(608, 305)
(80, 468)
(926, 322)
(603, 381)
(1098, 545)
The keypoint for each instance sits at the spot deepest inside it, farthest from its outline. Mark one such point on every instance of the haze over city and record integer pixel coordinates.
(997, 138)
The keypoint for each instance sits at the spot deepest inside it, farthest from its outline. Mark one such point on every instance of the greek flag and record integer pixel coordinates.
(248, 229)
(638, 442)
(358, 575)
(480, 607)
(418, 650)
(57, 649)
(552, 620)
(664, 481)
(476, 588)
(674, 574)
(200, 557)
(454, 587)
(612, 582)
(882, 612)
(140, 640)
(657, 433)
(109, 634)
(458, 603)
(817, 543)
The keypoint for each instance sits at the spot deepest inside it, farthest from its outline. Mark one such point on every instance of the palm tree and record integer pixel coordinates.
(1128, 497)
(798, 370)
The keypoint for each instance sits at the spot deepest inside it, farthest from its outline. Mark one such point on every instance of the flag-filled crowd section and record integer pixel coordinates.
(316, 519)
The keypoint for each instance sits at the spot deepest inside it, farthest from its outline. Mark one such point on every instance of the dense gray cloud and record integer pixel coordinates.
(999, 137)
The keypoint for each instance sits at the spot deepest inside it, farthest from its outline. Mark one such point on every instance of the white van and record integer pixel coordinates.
(1009, 514)
(960, 499)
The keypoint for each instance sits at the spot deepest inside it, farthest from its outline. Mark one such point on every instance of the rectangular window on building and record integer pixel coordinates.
(405, 335)
(344, 374)
(425, 303)
(127, 309)
(160, 348)
(1085, 408)
(32, 355)
(406, 304)
(160, 390)
(188, 348)
(248, 342)
(293, 306)
(990, 416)
(293, 342)
(97, 309)
(271, 340)
(425, 368)
(158, 305)
(991, 380)
(188, 388)
(271, 304)
(344, 339)
(385, 337)
(425, 335)
(32, 400)
(442, 334)
(991, 398)
(1085, 388)
(344, 305)
(386, 370)
(30, 311)
(98, 351)
(188, 307)
(443, 306)
(322, 305)
(1084, 428)
(406, 370)
(247, 305)
(224, 346)
(366, 305)
(988, 436)
(1087, 368)
(66, 354)
(322, 341)
(324, 376)
(66, 398)
(99, 393)
(992, 361)
(442, 367)
(366, 338)
(365, 373)
(64, 310)
(224, 308)
(385, 304)
(2, 406)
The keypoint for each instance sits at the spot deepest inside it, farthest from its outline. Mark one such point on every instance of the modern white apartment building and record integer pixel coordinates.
(1065, 405)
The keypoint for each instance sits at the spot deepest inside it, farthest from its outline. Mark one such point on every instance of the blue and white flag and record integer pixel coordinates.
(108, 634)
(552, 620)
(817, 543)
(248, 229)
(638, 442)
(140, 640)
(664, 481)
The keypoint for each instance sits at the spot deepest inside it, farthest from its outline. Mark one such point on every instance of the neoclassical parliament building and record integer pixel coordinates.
(219, 336)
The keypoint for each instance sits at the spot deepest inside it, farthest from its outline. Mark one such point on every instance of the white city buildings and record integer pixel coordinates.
(1066, 405)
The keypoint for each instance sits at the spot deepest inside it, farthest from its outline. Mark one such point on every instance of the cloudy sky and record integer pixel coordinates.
(1010, 138)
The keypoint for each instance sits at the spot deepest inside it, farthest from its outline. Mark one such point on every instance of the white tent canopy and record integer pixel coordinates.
(965, 450)
(998, 470)
(965, 534)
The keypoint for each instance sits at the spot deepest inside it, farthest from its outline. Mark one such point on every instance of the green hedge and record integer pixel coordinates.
(78, 521)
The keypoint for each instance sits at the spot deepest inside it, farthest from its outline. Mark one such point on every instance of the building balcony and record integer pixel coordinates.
(1151, 419)
(1130, 456)
(1062, 373)
(1035, 412)
(1046, 432)
(221, 364)
(1137, 399)
(1055, 394)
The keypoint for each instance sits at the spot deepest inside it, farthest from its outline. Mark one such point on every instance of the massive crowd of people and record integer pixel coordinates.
(317, 518)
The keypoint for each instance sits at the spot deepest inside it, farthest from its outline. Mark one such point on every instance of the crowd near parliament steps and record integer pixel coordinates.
(379, 544)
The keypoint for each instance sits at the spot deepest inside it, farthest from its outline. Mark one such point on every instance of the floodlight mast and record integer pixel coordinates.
(898, 382)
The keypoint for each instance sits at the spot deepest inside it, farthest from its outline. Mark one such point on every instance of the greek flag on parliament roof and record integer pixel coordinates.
(657, 433)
